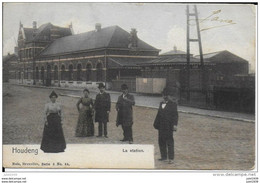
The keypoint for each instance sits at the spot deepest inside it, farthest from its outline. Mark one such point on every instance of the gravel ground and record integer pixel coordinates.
(201, 143)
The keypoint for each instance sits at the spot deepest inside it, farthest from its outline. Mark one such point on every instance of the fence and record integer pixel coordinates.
(130, 82)
(221, 98)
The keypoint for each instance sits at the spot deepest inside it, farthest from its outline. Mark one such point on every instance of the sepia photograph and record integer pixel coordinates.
(135, 86)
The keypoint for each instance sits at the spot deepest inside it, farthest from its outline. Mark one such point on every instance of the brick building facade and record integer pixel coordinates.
(52, 55)
(10, 67)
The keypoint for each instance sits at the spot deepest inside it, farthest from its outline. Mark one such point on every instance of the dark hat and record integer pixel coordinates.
(86, 90)
(53, 93)
(101, 85)
(124, 87)
(172, 91)
(164, 92)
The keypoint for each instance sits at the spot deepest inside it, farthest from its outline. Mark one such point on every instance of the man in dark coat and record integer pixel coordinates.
(124, 107)
(166, 122)
(102, 110)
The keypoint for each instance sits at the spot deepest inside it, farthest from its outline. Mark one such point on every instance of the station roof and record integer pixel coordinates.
(115, 62)
(171, 60)
(40, 34)
(223, 57)
(108, 37)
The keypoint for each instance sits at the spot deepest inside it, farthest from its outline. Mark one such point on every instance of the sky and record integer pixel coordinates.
(229, 27)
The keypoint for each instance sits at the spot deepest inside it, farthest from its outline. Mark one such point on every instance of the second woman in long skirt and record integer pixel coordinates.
(85, 125)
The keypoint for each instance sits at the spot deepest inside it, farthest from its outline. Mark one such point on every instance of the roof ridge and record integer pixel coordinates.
(214, 52)
(108, 37)
(74, 35)
(236, 56)
(174, 51)
(44, 27)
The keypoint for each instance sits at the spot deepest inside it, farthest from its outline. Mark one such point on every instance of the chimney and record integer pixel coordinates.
(133, 31)
(175, 48)
(21, 25)
(98, 27)
(133, 39)
(71, 28)
(34, 25)
(16, 50)
(70, 25)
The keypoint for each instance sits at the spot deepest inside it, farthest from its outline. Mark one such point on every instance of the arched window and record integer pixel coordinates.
(42, 74)
(63, 72)
(48, 76)
(27, 73)
(99, 72)
(37, 73)
(79, 68)
(48, 72)
(71, 72)
(88, 72)
(56, 77)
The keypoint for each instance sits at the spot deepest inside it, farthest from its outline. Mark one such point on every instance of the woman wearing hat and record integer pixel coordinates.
(85, 125)
(53, 140)
(102, 110)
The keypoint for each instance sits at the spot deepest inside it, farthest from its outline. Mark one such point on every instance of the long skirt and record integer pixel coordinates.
(85, 125)
(53, 140)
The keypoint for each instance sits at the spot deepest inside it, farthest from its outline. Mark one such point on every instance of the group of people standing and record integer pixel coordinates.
(101, 108)
(53, 140)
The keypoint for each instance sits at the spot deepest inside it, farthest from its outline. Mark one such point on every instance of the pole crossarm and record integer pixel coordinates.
(193, 40)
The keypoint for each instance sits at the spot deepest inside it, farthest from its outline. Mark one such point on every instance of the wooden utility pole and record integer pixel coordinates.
(195, 14)
(59, 72)
(188, 54)
(34, 79)
(200, 50)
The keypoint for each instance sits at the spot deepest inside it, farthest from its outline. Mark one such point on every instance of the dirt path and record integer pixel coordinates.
(200, 142)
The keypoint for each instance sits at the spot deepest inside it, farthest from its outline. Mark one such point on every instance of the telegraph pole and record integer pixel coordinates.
(34, 79)
(188, 54)
(200, 50)
(195, 14)
(59, 72)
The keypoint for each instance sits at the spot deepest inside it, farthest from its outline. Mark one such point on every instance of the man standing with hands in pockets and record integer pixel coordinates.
(124, 107)
(166, 122)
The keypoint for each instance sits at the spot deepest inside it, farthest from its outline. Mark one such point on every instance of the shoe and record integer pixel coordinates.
(123, 140)
(162, 159)
(99, 136)
(106, 136)
(170, 161)
(130, 142)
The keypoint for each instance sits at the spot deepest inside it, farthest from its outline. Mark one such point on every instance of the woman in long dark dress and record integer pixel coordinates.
(85, 125)
(53, 140)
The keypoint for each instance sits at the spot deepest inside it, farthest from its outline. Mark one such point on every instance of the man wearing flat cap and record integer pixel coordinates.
(102, 109)
(124, 107)
(166, 122)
